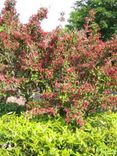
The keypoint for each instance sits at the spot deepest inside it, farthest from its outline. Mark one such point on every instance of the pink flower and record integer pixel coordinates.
(85, 104)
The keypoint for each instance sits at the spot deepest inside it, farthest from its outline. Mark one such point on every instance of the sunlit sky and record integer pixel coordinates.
(28, 7)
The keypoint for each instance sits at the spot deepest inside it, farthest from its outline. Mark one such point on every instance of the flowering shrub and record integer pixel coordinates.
(75, 73)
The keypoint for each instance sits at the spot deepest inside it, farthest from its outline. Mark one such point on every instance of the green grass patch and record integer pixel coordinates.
(41, 136)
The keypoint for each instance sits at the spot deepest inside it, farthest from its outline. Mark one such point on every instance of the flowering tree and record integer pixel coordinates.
(75, 71)
(17, 42)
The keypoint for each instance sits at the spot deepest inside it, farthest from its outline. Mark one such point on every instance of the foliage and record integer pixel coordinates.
(75, 71)
(8, 108)
(23, 136)
(105, 17)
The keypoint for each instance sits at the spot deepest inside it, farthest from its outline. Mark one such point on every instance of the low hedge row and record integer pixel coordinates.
(32, 136)
(70, 71)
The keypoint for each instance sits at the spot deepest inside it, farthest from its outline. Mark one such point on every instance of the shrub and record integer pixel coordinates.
(76, 73)
(41, 136)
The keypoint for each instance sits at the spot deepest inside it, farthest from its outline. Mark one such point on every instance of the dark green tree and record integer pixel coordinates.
(105, 17)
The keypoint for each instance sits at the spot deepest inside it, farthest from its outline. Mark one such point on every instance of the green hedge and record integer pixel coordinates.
(37, 136)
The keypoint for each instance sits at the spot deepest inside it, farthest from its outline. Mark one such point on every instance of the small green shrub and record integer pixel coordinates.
(33, 136)
(9, 108)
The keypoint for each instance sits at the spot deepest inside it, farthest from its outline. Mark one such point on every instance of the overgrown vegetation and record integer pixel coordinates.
(68, 81)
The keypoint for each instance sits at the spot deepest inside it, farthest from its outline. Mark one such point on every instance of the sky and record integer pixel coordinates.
(28, 7)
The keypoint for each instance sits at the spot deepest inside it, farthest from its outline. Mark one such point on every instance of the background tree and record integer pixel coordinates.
(105, 17)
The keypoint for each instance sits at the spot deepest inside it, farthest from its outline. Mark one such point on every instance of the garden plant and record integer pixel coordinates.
(76, 72)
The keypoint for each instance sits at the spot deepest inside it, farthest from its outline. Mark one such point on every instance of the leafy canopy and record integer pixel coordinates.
(105, 17)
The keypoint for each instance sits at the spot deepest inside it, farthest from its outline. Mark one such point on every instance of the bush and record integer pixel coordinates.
(20, 136)
(75, 71)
